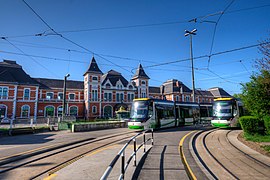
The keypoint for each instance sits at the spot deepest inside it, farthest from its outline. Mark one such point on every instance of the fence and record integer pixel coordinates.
(124, 165)
(39, 122)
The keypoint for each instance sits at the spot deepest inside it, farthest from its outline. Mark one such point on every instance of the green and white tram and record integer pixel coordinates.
(226, 112)
(154, 113)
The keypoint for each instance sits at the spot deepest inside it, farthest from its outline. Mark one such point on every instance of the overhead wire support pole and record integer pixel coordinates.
(190, 33)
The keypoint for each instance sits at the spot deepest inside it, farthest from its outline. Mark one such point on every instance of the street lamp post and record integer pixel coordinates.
(190, 33)
(64, 96)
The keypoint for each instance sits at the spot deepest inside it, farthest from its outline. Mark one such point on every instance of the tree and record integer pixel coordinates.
(256, 94)
(264, 62)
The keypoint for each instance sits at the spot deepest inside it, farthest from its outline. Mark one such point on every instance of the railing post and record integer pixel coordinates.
(144, 150)
(152, 137)
(123, 165)
(134, 150)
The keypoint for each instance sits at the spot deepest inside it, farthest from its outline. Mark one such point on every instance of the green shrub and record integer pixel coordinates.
(249, 124)
(266, 120)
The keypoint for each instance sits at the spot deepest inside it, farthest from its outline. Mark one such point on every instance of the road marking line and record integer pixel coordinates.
(184, 158)
(50, 177)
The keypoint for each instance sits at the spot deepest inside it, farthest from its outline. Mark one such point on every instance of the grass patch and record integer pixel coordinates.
(257, 137)
(267, 148)
(4, 129)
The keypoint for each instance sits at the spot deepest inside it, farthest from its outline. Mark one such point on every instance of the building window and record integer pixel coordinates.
(94, 109)
(107, 96)
(94, 78)
(187, 99)
(143, 83)
(130, 87)
(119, 97)
(73, 111)
(71, 96)
(25, 111)
(94, 95)
(143, 95)
(108, 86)
(3, 111)
(177, 98)
(60, 111)
(60, 96)
(49, 95)
(130, 97)
(26, 94)
(49, 111)
(3, 92)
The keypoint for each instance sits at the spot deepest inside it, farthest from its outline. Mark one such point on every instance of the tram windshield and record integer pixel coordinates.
(139, 110)
(222, 109)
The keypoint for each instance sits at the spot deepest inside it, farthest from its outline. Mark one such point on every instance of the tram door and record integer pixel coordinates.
(181, 116)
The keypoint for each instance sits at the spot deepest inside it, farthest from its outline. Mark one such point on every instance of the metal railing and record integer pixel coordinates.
(121, 153)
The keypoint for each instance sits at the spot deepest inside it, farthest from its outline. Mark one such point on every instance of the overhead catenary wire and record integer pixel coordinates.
(69, 40)
(215, 29)
(196, 19)
(44, 67)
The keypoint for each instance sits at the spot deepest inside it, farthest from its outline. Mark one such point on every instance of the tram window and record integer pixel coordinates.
(150, 111)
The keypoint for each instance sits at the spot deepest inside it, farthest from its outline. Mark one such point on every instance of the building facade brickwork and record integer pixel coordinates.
(98, 95)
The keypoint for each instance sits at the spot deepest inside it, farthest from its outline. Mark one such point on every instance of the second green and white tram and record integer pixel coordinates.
(154, 113)
(226, 112)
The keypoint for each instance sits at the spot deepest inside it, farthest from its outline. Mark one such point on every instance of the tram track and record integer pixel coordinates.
(227, 160)
(247, 155)
(60, 156)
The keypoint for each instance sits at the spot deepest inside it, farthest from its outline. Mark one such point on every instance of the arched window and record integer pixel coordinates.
(25, 111)
(143, 83)
(73, 111)
(108, 111)
(49, 111)
(94, 109)
(130, 87)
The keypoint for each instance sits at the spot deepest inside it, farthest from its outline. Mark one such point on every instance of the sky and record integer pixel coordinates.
(64, 35)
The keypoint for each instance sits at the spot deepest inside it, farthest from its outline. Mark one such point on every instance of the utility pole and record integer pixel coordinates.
(190, 33)
(64, 96)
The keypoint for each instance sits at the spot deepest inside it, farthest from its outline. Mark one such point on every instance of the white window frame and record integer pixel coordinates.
(3, 92)
(24, 94)
(58, 110)
(29, 108)
(143, 83)
(59, 96)
(187, 99)
(92, 95)
(46, 108)
(47, 95)
(93, 79)
(72, 107)
(6, 109)
(74, 96)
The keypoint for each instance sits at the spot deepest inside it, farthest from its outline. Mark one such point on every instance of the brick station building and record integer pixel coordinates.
(98, 95)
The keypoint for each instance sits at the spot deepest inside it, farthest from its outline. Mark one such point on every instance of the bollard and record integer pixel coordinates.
(31, 122)
(134, 150)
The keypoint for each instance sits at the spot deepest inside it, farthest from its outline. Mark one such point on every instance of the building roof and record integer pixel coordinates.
(175, 86)
(93, 67)
(219, 92)
(155, 90)
(203, 93)
(113, 77)
(140, 73)
(57, 83)
(11, 72)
